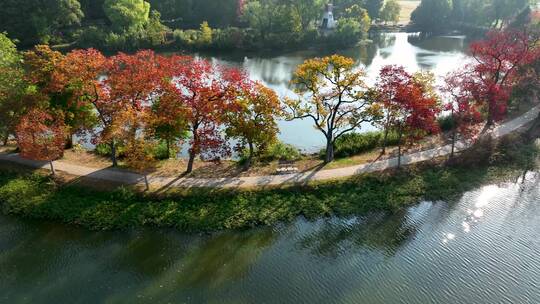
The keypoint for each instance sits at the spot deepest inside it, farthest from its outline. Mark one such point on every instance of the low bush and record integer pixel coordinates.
(446, 123)
(160, 151)
(281, 151)
(357, 143)
(105, 150)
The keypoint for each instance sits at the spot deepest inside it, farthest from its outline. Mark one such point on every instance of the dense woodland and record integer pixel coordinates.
(436, 16)
(188, 24)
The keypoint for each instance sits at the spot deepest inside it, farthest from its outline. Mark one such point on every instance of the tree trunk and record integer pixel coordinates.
(113, 154)
(69, 141)
(168, 142)
(454, 133)
(329, 152)
(490, 117)
(52, 168)
(146, 182)
(249, 160)
(5, 139)
(192, 152)
(190, 162)
(385, 141)
(399, 146)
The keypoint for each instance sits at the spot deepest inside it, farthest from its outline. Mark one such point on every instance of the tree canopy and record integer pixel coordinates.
(126, 14)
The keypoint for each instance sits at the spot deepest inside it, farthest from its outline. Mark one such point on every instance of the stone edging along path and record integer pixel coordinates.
(121, 176)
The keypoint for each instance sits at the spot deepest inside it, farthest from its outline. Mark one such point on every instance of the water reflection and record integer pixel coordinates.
(482, 248)
(335, 237)
(415, 52)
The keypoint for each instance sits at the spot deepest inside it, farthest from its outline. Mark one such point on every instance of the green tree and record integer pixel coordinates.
(374, 8)
(205, 35)
(348, 32)
(127, 14)
(390, 11)
(35, 21)
(308, 10)
(269, 17)
(11, 86)
(359, 14)
(155, 30)
(432, 15)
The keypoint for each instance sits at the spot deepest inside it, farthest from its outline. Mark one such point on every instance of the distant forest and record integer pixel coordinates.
(134, 24)
(113, 25)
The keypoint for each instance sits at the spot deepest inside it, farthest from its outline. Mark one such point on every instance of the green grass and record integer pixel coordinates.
(39, 197)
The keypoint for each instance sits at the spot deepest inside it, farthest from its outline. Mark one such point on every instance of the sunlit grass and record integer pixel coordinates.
(407, 7)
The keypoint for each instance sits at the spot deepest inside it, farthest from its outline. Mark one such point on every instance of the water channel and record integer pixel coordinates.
(482, 248)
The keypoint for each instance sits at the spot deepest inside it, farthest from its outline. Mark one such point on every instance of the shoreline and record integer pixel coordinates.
(302, 178)
(28, 194)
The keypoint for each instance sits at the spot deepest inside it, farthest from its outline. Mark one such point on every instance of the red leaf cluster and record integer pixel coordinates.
(490, 79)
(41, 136)
(406, 103)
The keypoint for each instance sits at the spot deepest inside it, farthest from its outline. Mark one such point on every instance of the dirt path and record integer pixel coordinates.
(122, 176)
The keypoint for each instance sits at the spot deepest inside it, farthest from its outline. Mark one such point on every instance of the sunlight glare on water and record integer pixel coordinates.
(481, 248)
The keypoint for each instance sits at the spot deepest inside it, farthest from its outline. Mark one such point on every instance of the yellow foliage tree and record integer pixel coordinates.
(333, 94)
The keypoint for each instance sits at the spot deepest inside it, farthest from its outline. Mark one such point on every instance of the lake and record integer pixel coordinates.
(481, 248)
(439, 54)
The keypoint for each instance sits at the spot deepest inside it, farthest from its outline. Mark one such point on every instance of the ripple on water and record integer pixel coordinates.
(482, 248)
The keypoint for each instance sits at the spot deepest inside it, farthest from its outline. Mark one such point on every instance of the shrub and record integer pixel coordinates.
(348, 32)
(228, 38)
(115, 42)
(105, 150)
(92, 36)
(446, 123)
(187, 38)
(357, 143)
(281, 151)
(160, 151)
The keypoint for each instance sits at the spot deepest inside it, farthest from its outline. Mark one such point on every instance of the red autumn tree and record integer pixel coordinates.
(81, 72)
(40, 63)
(201, 88)
(409, 105)
(133, 79)
(131, 84)
(390, 79)
(76, 77)
(490, 79)
(463, 111)
(40, 136)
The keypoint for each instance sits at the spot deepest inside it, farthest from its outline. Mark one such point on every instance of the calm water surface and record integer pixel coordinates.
(482, 248)
(439, 54)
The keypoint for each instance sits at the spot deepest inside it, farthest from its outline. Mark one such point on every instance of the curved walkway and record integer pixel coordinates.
(121, 176)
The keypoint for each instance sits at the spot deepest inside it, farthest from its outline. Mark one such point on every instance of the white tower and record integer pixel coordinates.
(328, 21)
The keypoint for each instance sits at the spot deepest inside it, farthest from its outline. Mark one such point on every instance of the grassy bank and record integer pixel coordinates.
(32, 195)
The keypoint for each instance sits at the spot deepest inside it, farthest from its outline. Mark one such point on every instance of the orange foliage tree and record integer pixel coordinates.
(252, 118)
(201, 88)
(333, 96)
(40, 136)
(131, 84)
